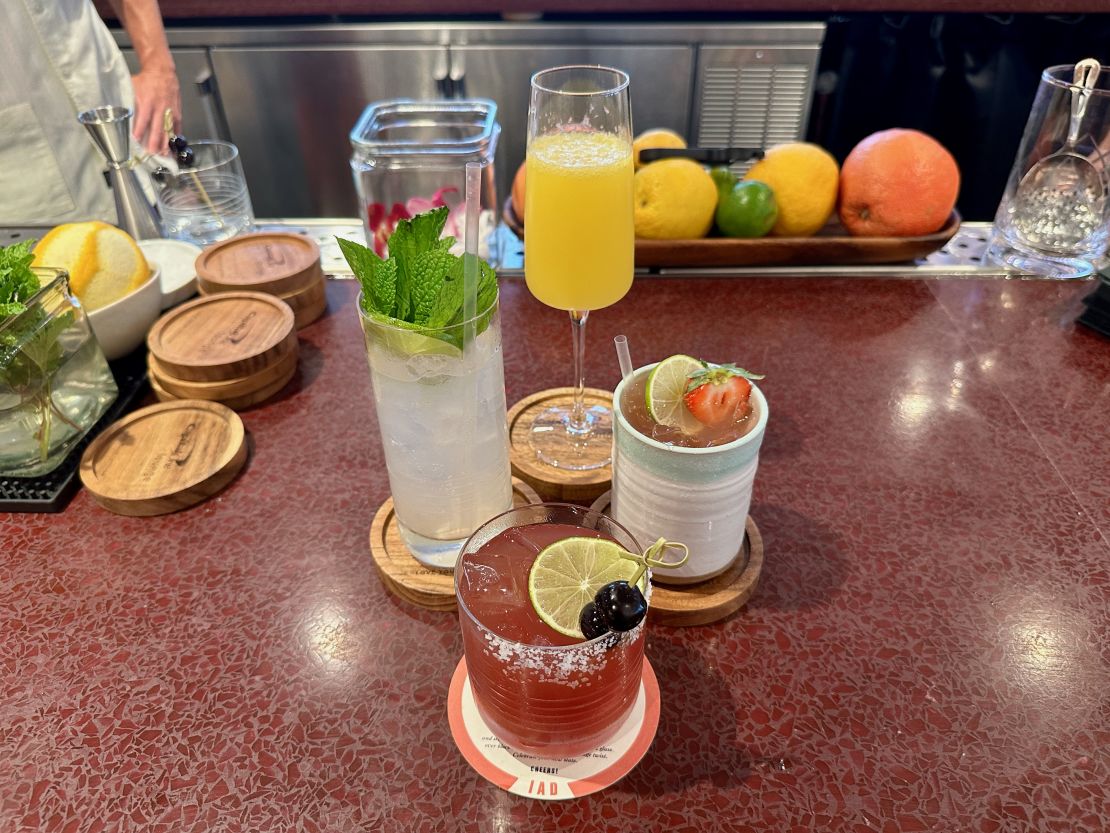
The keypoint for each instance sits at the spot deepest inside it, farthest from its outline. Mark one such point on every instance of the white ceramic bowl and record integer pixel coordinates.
(177, 261)
(122, 325)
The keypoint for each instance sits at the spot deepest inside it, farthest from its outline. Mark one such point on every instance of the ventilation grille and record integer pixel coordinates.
(756, 106)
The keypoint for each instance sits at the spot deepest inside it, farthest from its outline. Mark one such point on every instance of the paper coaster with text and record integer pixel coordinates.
(552, 779)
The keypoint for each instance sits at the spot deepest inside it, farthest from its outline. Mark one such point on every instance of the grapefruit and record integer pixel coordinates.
(803, 178)
(104, 262)
(897, 183)
(518, 192)
(657, 137)
(673, 199)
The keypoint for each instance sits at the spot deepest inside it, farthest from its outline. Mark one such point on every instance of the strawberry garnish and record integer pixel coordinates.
(719, 394)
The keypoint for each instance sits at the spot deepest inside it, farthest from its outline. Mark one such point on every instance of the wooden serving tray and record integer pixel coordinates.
(832, 246)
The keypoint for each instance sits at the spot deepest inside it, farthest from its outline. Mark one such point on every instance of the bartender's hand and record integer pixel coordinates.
(156, 91)
(156, 88)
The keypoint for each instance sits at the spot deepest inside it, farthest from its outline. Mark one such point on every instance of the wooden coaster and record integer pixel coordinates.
(164, 457)
(710, 600)
(406, 577)
(236, 403)
(225, 336)
(309, 303)
(549, 482)
(272, 262)
(218, 391)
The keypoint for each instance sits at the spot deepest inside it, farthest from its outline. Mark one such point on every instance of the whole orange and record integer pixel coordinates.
(518, 193)
(897, 183)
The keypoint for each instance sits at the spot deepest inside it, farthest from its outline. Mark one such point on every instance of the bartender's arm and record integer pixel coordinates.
(156, 88)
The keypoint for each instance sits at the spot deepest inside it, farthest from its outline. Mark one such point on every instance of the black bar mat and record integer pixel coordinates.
(51, 492)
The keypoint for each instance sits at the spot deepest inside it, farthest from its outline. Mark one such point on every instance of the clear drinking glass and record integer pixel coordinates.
(209, 202)
(411, 156)
(580, 240)
(54, 382)
(1054, 217)
(442, 416)
(546, 699)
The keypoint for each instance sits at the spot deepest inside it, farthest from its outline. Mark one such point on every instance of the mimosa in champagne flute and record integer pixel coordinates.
(578, 255)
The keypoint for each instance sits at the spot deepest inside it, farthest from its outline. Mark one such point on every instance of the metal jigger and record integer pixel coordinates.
(110, 128)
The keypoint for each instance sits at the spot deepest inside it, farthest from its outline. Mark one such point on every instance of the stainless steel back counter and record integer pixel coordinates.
(289, 95)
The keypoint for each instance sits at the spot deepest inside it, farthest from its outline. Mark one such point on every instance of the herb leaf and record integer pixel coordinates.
(378, 277)
(431, 274)
(419, 287)
(17, 281)
(409, 239)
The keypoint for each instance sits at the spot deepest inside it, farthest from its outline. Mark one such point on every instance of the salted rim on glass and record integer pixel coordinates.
(578, 646)
(378, 323)
(1068, 70)
(760, 423)
(621, 78)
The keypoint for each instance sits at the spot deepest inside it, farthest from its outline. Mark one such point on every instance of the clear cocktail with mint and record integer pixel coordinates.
(439, 387)
(552, 601)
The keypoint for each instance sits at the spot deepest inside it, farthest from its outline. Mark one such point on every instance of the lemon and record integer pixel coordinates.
(674, 199)
(657, 137)
(104, 262)
(666, 385)
(566, 576)
(804, 179)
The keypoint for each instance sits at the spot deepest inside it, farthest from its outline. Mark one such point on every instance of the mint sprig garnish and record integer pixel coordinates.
(419, 287)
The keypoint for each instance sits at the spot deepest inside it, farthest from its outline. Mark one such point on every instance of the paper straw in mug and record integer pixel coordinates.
(621, 343)
(470, 250)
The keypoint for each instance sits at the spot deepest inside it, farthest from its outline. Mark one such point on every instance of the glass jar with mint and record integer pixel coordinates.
(54, 381)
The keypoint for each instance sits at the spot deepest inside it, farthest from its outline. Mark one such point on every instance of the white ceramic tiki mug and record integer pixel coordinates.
(699, 496)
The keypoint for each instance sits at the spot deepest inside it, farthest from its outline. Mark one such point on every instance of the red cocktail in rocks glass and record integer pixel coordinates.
(540, 691)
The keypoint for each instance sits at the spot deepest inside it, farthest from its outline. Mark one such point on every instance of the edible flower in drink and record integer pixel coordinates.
(383, 221)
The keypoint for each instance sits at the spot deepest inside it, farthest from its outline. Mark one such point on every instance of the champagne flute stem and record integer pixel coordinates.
(578, 423)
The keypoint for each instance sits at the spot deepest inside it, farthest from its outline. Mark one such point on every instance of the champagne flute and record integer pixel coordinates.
(578, 255)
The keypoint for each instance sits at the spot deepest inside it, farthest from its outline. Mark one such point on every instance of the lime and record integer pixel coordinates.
(723, 178)
(746, 209)
(567, 574)
(666, 385)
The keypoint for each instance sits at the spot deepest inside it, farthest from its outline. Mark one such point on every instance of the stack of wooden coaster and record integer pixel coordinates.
(282, 264)
(237, 348)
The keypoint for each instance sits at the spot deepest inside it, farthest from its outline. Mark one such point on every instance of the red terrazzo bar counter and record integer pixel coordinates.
(927, 650)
